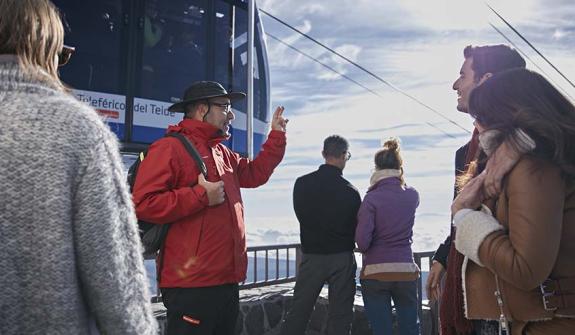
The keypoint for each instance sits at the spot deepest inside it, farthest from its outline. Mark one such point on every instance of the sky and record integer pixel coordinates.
(417, 46)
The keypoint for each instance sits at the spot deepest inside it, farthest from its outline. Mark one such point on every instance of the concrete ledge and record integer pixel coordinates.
(262, 310)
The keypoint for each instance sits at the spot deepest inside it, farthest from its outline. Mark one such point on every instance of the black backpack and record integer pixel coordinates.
(153, 235)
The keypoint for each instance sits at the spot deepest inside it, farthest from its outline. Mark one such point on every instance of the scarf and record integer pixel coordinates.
(382, 174)
(490, 140)
(452, 316)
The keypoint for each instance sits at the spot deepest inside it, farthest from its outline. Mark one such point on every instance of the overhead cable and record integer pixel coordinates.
(366, 71)
(529, 59)
(324, 65)
(346, 77)
(529, 43)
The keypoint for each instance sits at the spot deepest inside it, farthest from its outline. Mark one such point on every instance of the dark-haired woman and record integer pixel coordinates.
(383, 235)
(520, 264)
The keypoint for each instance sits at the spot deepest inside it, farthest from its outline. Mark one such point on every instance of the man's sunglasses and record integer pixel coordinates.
(65, 54)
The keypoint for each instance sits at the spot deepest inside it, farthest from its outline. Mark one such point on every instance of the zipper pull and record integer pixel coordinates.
(503, 329)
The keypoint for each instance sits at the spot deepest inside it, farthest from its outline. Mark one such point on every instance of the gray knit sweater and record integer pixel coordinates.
(69, 249)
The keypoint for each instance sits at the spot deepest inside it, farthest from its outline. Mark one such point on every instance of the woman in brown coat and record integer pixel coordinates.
(520, 248)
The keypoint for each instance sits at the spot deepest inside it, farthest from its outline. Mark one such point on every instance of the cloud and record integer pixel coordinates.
(295, 9)
(418, 47)
(349, 51)
(559, 34)
(272, 236)
(434, 182)
(313, 8)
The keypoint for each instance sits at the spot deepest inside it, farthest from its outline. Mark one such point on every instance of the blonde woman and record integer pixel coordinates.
(383, 235)
(70, 257)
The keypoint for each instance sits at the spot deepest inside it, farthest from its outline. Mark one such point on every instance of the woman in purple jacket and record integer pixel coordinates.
(383, 235)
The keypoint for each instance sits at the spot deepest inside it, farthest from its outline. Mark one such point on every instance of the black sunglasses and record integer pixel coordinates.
(65, 54)
(226, 106)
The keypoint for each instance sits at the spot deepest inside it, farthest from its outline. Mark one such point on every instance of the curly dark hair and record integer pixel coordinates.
(492, 59)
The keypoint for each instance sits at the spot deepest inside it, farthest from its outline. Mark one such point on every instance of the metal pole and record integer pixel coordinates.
(250, 111)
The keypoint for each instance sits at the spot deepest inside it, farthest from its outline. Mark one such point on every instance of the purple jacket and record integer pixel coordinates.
(385, 222)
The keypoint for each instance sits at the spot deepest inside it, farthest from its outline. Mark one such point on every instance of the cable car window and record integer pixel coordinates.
(174, 48)
(95, 29)
(223, 51)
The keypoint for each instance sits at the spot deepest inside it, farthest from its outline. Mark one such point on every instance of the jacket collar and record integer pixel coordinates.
(203, 131)
(13, 76)
(328, 168)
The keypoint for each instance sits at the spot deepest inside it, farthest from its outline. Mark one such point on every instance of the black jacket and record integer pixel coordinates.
(326, 207)
(443, 250)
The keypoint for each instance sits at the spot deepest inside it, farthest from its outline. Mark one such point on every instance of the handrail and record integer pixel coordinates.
(267, 280)
(418, 256)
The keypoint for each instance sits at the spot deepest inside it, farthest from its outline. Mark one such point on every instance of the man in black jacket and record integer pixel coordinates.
(326, 206)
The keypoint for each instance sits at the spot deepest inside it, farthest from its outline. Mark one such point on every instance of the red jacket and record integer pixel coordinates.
(205, 246)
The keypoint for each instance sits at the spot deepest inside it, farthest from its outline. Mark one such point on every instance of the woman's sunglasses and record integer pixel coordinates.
(65, 54)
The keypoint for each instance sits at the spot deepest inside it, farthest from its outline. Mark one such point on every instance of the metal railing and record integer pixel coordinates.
(276, 260)
(418, 256)
(280, 263)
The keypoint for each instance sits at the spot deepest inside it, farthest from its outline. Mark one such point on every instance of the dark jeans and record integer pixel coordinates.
(338, 271)
(486, 327)
(202, 311)
(377, 296)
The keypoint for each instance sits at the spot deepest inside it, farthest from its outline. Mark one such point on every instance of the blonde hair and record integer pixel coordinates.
(389, 157)
(33, 31)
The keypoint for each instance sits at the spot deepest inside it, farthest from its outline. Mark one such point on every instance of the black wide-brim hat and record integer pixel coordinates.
(201, 90)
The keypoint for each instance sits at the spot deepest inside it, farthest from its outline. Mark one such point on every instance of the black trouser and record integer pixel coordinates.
(487, 327)
(338, 270)
(204, 310)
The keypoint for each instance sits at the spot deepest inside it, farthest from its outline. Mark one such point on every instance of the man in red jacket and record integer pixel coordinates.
(204, 255)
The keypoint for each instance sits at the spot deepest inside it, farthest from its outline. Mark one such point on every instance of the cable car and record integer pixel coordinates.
(134, 58)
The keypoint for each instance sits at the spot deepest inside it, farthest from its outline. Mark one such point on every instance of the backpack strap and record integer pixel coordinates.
(192, 151)
(202, 166)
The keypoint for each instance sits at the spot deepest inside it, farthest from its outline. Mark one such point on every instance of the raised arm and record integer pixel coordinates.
(525, 254)
(257, 172)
